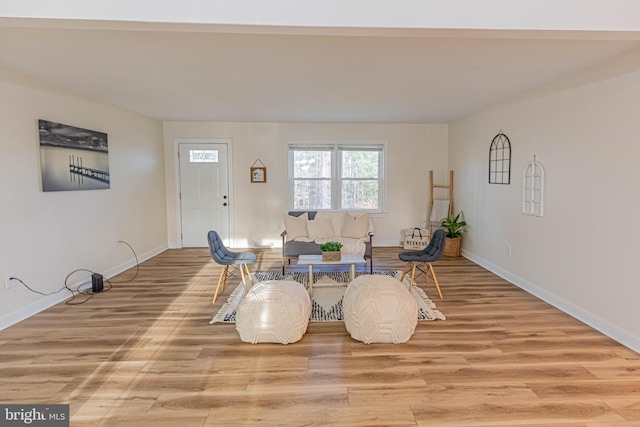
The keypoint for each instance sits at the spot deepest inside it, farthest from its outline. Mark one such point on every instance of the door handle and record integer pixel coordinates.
(224, 204)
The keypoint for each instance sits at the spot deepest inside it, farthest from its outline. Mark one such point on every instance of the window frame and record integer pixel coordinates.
(336, 179)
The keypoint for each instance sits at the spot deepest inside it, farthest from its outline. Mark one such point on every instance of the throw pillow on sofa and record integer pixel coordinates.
(355, 227)
(320, 229)
(296, 226)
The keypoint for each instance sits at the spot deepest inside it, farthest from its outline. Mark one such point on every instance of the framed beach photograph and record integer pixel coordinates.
(73, 158)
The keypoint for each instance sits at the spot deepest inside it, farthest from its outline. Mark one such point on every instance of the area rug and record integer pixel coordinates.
(326, 302)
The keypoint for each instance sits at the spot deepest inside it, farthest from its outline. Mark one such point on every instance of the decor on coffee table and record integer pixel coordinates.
(326, 301)
(330, 251)
(274, 311)
(379, 309)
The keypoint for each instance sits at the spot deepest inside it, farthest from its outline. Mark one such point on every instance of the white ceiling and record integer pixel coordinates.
(191, 72)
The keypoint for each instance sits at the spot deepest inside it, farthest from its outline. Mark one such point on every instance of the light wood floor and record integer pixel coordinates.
(144, 354)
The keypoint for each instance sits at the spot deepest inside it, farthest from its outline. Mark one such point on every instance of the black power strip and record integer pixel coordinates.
(97, 283)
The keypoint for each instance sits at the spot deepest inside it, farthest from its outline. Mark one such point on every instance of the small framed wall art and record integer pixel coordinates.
(258, 172)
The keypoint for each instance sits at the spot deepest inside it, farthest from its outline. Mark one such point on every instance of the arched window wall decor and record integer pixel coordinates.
(533, 189)
(500, 160)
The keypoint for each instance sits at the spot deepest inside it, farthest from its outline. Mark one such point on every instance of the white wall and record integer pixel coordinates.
(45, 236)
(257, 209)
(582, 255)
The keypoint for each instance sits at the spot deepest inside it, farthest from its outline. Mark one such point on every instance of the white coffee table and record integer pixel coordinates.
(312, 260)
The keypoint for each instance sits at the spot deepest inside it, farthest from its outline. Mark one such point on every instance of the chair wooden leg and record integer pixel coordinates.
(244, 282)
(426, 273)
(246, 267)
(413, 273)
(222, 273)
(404, 272)
(226, 274)
(435, 279)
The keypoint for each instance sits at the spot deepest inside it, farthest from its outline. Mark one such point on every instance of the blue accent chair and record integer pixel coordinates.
(416, 259)
(223, 256)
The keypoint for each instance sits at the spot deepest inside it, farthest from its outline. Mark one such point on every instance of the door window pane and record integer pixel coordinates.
(203, 156)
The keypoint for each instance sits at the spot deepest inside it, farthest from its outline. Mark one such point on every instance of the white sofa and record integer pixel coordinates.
(305, 230)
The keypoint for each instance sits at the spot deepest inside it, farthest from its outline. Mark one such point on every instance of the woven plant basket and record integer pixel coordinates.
(331, 256)
(452, 247)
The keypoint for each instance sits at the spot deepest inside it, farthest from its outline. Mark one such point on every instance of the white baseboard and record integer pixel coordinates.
(49, 301)
(614, 332)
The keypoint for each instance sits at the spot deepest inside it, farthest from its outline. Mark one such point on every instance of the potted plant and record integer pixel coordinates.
(454, 226)
(330, 251)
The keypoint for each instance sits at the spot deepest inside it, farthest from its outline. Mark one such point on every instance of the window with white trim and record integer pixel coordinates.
(336, 176)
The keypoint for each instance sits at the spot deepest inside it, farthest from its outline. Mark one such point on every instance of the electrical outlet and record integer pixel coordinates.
(10, 283)
(507, 248)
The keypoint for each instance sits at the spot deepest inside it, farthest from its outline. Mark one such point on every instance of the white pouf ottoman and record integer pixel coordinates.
(380, 309)
(274, 311)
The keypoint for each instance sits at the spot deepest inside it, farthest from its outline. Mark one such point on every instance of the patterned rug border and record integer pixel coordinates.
(321, 313)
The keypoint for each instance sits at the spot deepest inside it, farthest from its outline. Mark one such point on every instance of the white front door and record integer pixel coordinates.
(204, 192)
